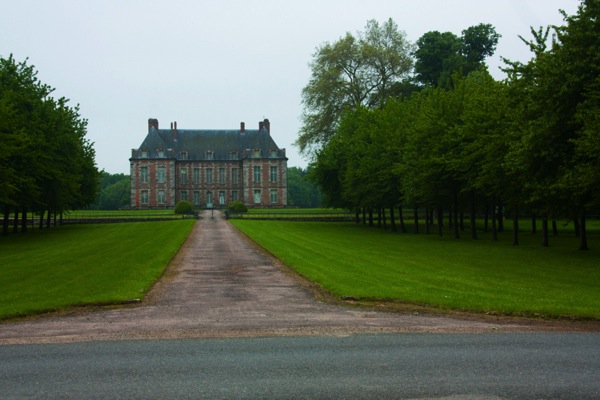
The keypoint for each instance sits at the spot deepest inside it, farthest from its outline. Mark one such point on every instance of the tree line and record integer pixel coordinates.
(114, 191)
(47, 165)
(446, 138)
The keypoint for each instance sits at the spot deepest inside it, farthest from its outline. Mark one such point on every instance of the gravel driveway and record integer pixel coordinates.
(220, 284)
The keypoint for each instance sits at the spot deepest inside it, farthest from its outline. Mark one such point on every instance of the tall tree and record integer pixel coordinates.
(440, 55)
(351, 72)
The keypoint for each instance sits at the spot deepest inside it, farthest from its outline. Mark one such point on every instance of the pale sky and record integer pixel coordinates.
(214, 64)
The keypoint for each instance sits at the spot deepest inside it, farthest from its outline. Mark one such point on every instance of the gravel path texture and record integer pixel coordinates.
(221, 284)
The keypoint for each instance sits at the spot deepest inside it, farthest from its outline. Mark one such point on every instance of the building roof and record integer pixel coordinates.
(208, 144)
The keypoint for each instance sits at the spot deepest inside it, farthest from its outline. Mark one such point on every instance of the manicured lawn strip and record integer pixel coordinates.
(84, 264)
(485, 276)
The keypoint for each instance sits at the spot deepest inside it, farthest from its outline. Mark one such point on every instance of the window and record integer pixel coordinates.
(273, 174)
(256, 153)
(161, 154)
(273, 196)
(221, 198)
(196, 176)
(144, 197)
(210, 155)
(273, 153)
(161, 175)
(196, 197)
(221, 175)
(256, 174)
(183, 176)
(184, 195)
(235, 175)
(161, 197)
(144, 177)
(183, 155)
(234, 155)
(256, 196)
(234, 195)
(144, 154)
(209, 175)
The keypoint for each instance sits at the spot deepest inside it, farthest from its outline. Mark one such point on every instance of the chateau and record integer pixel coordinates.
(209, 168)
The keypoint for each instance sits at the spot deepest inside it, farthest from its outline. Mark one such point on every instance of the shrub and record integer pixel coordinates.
(184, 207)
(237, 207)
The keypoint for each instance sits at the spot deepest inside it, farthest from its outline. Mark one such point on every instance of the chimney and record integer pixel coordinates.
(267, 125)
(152, 123)
(175, 130)
(242, 127)
(261, 124)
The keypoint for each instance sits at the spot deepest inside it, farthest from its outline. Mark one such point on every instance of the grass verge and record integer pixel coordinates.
(84, 264)
(356, 261)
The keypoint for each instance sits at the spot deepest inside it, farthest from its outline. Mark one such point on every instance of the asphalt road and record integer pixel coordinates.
(407, 366)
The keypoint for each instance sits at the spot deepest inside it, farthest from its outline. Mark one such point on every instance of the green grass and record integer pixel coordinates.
(84, 264)
(354, 260)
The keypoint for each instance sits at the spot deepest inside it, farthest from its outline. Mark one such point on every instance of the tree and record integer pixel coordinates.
(351, 72)
(47, 164)
(439, 55)
(302, 192)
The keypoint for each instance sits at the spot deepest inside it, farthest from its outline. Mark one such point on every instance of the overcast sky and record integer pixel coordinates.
(214, 64)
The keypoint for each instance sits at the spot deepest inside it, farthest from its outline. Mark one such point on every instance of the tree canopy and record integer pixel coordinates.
(352, 72)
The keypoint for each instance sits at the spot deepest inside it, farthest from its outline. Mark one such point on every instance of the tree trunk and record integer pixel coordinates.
(516, 225)
(384, 219)
(427, 224)
(416, 219)
(41, 219)
(24, 220)
(500, 217)
(576, 225)
(450, 224)
(545, 242)
(554, 228)
(455, 212)
(440, 218)
(5, 220)
(357, 216)
(393, 220)
(486, 213)
(472, 218)
(401, 219)
(494, 225)
(16, 221)
(364, 212)
(583, 245)
(370, 217)
(379, 217)
(533, 224)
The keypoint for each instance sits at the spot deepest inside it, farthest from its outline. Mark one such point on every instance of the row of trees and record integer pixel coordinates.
(46, 163)
(529, 143)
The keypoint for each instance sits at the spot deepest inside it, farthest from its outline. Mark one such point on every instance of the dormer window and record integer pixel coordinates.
(234, 155)
(183, 155)
(273, 153)
(210, 155)
(144, 154)
(256, 153)
(161, 153)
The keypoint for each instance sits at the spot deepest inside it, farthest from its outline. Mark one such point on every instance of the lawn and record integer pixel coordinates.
(353, 260)
(84, 264)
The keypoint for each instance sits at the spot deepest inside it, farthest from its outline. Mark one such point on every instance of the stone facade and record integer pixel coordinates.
(210, 168)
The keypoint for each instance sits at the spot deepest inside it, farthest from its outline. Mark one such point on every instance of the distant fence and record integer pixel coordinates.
(91, 217)
(295, 216)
